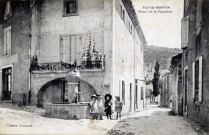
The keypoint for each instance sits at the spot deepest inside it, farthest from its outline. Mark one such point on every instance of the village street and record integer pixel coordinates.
(152, 121)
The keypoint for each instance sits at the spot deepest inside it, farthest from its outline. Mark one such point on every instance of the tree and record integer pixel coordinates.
(155, 80)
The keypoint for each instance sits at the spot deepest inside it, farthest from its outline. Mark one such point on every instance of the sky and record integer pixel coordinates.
(160, 29)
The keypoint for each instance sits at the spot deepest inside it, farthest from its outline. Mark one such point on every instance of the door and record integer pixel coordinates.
(186, 87)
(7, 83)
(130, 96)
(136, 96)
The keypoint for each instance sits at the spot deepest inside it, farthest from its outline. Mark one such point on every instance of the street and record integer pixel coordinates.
(152, 121)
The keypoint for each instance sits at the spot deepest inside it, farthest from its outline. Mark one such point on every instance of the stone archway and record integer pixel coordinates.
(54, 92)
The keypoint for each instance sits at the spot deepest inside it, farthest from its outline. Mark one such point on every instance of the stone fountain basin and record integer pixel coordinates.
(68, 111)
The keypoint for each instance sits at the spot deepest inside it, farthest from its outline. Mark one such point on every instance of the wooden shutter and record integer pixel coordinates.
(79, 46)
(5, 42)
(185, 32)
(73, 48)
(9, 40)
(65, 49)
(200, 80)
(193, 79)
(199, 13)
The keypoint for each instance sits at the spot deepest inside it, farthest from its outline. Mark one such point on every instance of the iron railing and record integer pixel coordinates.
(62, 66)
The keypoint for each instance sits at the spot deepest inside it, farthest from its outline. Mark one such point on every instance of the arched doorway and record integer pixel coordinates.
(60, 91)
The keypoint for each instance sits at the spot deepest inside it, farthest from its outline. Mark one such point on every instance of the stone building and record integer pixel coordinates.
(41, 40)
(195, 45)
(176, 84)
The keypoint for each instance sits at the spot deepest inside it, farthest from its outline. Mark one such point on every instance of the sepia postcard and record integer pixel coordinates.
(104, 67)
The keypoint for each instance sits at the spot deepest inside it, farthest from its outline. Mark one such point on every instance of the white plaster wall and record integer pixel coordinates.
(132, 67)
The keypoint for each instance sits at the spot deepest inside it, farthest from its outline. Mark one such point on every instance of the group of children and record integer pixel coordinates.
(96, 106)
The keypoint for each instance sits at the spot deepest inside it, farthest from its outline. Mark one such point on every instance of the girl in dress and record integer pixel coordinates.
(94, 107)
(108, 104)
(100, 106)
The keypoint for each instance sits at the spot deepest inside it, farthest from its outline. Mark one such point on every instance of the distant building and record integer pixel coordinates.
(165, 90)
(195, 69)
(42, 40)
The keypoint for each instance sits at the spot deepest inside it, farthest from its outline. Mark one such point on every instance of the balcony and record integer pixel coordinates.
(87, 65)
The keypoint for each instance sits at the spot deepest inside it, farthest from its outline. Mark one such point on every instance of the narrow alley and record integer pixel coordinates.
(152, 121)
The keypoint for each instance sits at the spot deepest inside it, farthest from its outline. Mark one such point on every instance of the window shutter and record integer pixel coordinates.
(200, 80)
(193, 79)
(73, 48)
(79, 49)
(9, 40)
(199, 13)
(65, 47)
(185, 32)
(5, 42)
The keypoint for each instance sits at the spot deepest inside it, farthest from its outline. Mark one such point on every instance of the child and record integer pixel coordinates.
(118, 106)
(94, 107)
(100, 106)
(108, 105)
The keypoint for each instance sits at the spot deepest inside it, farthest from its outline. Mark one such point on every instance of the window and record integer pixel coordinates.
(122, 50)
(123, 14)
(70, 7)
(69, 50)
(7, 83)
(7, 40)
(123, 91)
(197, 80)
(7, 9)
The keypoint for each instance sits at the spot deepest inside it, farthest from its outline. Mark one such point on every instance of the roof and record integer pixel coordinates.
(132, 14)
(175, 60)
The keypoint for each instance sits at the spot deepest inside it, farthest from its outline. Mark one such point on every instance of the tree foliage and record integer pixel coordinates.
(155, 80)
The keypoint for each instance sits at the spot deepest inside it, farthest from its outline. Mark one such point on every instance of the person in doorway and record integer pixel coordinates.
(94, 107)
(108, 104)
(100, 106)
(118, 106)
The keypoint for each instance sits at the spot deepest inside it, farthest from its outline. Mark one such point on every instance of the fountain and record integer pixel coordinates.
(75, 108)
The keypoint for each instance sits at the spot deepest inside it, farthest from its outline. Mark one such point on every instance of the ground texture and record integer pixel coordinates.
(152, 121)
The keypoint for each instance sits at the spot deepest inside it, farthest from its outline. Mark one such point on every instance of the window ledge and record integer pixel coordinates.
(68, 15)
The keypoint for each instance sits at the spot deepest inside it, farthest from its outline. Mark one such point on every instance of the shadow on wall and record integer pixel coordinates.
(56, 92)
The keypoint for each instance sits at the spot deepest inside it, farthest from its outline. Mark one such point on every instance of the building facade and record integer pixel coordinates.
(195, 60)
(165, 90)
(42, 40)
(176, 84)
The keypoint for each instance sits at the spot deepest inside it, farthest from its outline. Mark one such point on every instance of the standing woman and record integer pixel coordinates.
(108, 104)
(94, 107)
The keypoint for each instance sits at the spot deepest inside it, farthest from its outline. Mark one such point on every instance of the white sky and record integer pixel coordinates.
(161, 29)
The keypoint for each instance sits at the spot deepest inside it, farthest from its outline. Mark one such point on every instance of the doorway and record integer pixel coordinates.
(130, 96)
(186, 91)
(7, 83)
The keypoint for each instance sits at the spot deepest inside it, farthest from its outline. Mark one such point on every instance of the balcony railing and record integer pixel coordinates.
(63, 66)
